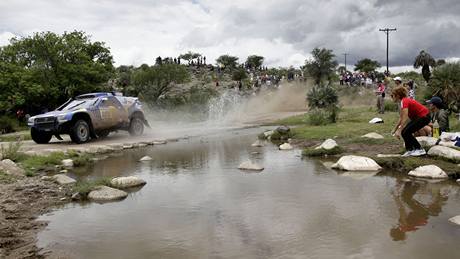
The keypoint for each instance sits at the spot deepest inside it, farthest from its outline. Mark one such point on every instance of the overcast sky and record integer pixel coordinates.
(283, 31)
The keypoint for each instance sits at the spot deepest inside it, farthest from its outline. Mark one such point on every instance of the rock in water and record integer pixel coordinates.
(428, 171)
(159, 142)
(283, 130)
(126, 182)
(268, 133)
(63, 179)
(445, 152)
(328, 144)
(10, 167)
(104, 193)
(258, 143)
(67, 162)
(427, 141)
(248, 165)
(356, 163)
(373, 135)
(286, 146)
(146, 158)
(455, 220)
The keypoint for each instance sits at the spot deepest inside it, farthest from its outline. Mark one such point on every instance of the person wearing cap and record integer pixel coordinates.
(419, 117)
(398, 81)
(437, 113)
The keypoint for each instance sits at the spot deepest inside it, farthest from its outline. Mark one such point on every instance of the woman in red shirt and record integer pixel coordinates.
(419, 117)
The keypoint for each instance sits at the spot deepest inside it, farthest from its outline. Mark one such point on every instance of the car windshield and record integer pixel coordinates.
(77, 104)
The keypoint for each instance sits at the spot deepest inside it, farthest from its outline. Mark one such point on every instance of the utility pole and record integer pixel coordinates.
(346, 54)
(387, 32)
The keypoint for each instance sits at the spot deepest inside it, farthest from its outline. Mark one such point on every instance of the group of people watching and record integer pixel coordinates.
(358, 79)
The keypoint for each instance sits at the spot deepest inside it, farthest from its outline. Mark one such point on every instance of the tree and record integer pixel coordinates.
(227, 61)
(440, 62)
(445, 83)
(239, 74)
(45, 69)
(323, 101)
(254, 61)
(156, 81)
(321, 66)
(424, 60)
(341, 70)
(189, 56)
(367, 65)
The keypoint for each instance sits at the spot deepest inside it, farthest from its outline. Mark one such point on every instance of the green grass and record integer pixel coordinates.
(454, 123)
(21, 135)
(369, 141)
(406, 164)
(312, 152)
(85, 187)
(31, 164)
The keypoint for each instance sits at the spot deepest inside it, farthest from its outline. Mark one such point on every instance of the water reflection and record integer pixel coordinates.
(414, 213)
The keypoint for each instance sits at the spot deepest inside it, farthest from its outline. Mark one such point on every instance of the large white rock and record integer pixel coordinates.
(285, 146)
(63, 179)
(127, 182)
(328, 144)
(376, 120)
(249, 165)
(356, 163)
(445, 152)
(104, 193)
(455, 220)
(67, 162)
(428, 171)
(427, 141)
(146, 158)
(258, 143)
(10, 167)
(373, 135)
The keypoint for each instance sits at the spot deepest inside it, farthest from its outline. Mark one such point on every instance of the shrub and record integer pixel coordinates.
(323, 100)
(445, 83)
(391, 106)
(318, 117)
(11, 151)
(8, 124)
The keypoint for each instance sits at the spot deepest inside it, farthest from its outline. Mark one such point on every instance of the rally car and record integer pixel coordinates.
(88, 116)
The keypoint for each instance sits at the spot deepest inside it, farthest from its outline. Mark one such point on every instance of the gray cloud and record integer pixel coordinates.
(282, 31)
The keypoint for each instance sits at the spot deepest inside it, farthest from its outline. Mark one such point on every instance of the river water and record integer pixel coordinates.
(197, 204)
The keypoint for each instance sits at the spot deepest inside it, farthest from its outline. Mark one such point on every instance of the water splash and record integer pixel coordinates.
(224, 108)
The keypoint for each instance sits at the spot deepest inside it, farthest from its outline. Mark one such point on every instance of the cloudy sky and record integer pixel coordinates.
(283, 31)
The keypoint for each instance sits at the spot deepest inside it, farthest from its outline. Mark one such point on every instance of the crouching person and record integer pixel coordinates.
(419, 117)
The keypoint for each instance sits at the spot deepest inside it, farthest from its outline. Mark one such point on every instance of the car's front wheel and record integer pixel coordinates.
(136, 126)
(40, 136)
(80, 133)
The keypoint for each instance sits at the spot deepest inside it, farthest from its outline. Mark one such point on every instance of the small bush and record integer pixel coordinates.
(275, 136)
(34, 163)
(11, 151)
(8, 124)
(391, 106)
(312, 152)
(319, 117)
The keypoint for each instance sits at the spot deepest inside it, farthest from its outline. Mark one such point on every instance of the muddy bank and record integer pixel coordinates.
(21, 202)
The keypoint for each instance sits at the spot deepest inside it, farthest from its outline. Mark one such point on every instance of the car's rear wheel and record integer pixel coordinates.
(136, 126)
(40, 136)
(80, 133)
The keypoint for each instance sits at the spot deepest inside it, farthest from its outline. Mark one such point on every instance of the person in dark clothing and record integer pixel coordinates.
(419, 117)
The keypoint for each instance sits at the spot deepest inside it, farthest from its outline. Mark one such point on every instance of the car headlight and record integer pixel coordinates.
(62, 118)
(31, 121)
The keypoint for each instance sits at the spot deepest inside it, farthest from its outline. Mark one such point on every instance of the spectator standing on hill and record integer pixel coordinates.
(380, 97)
(417, 114)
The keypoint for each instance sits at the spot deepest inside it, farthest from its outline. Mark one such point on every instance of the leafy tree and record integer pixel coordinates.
(227, 61)
(440, 62)
(254, 61)
(45, 69)
(239, 74)
(445, 83)
(322, 65)
(189, 56)
(341, 70)
(367, 65)
(424, 60)
(156, 81)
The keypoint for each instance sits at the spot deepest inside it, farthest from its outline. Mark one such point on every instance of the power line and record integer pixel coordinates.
(387, 32)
